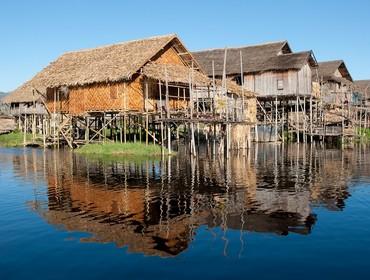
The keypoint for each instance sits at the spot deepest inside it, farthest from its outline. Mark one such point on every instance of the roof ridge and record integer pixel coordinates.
(332, 61)
(295, 53)
(173, 35)
(244, 46)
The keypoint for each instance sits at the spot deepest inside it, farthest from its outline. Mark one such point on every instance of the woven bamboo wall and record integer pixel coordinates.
(251, 109)
(168, 56)
(135, 95)
(103, 97)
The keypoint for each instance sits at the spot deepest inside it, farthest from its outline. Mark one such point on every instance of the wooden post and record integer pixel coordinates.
(242, 81)
(342, 105)
(297, 118)
(54, 116)
(304, 119)
(168, 115)
(146, 113)
(104, 129)
(87, 131)
(276, 119)
(311, 119)
(33, 117)
(25, 130)
(44, 132)
(60, 119)
(192, 141)
(125, 97)
(161, 113)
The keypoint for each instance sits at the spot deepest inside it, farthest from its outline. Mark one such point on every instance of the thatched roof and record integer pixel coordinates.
(363, 86)
(327, 69)
(175, 74)
(111, 63)
(104, 64)
(259, 58)
(26, 93)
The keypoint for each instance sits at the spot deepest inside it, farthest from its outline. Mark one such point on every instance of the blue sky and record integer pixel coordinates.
(35, 32)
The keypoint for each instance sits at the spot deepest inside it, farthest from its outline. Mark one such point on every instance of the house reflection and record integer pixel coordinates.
(155, 207)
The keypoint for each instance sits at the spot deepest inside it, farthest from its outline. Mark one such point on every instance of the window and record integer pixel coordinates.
(238, 80)
(280, 84)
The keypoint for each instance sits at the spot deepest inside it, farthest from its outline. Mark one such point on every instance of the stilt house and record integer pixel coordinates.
(281, 80)
(336, 84)
(138, 81)
(269, 69)
(26, 105)
(362, 92)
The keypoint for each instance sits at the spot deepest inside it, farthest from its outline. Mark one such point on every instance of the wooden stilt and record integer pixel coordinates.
(304, 119)
(168, 115)
(276, 119)
(297, 117)
(146, 114)
(311, 120)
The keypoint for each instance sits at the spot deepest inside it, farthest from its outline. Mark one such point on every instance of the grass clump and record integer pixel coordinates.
(14, 139)
(363, 135)
(116, 149)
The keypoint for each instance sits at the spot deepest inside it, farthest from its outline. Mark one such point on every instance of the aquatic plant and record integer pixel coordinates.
(132, 149)
(14, 139)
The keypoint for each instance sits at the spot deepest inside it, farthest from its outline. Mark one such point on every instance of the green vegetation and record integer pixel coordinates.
(364, 134)
(119, 149)
(14, 139)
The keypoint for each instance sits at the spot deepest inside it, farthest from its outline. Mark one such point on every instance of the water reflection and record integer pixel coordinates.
(154, 207)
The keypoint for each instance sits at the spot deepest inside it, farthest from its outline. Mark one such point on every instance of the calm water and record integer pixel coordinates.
(290, 212)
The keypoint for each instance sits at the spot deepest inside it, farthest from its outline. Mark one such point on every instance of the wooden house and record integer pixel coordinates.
(362, 92)
(281, 80)
(26, 105)
(269, 69)
(361, 98)
(335, 82)
(115, 77)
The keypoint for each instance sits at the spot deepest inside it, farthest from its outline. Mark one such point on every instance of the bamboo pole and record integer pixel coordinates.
(276, 119)
(213, 109)
(125, 92)
(25, 130)
(87, 131)
(54, 116)
(146, 113)
(33, 117)
(282, 120)
(192, 141)
(297, 118)
(161, 113)
(168, 114)
(311, 120)
(58, 100)
(242, 80)
(304, 119)
(44, 132)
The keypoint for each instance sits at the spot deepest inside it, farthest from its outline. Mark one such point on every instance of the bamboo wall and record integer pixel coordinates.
(168, 56)
(250, 110)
